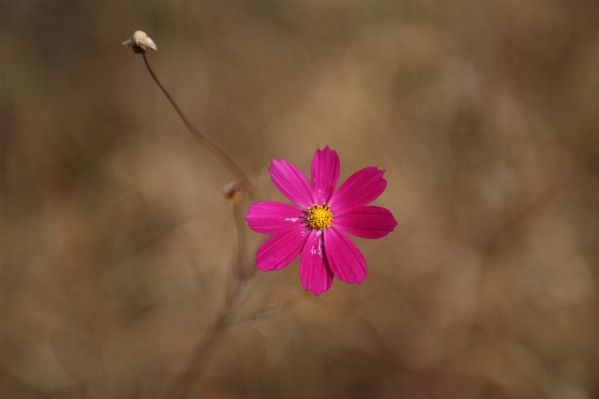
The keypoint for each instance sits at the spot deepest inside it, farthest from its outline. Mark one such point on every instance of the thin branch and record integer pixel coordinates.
(220, 154)
(182, 386)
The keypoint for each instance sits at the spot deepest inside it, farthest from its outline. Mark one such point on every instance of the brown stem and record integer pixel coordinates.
(241, 268)
(220, 154)
(182, 386)
(204, 350)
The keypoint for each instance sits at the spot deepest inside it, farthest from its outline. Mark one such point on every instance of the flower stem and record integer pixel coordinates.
(220, 154)
(202, 353)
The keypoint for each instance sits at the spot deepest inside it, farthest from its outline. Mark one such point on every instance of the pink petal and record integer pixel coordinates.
(365, 221)
(325, 174)
(345, 259)
(272, 217)
(315, 274)
(291, 182)
(281, 249)
(360, 189)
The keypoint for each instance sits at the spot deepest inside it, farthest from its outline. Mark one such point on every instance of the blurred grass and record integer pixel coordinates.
(115, 241)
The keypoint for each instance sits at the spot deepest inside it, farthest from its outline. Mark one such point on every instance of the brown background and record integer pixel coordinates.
(116, 242)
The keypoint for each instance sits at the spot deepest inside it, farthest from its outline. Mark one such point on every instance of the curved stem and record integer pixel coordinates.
(203, 351)
(220, 154)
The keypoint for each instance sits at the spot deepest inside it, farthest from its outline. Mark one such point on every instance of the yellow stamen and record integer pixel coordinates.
(320, 216)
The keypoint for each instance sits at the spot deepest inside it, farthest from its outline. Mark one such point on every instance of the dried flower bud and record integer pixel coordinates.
(140, 42)
(233, 193)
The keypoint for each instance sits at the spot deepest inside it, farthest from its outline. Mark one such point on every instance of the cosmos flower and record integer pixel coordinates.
(315, 227)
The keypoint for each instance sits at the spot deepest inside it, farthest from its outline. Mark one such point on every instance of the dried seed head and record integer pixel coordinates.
(232, 192)
(140, 42)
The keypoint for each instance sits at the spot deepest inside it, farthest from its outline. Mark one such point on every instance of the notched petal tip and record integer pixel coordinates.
(316, 292)
(140, 42)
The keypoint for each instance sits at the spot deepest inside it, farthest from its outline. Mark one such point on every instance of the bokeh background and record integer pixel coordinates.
(116, 242)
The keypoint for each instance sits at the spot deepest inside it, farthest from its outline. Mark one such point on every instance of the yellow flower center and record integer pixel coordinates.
(320, 216)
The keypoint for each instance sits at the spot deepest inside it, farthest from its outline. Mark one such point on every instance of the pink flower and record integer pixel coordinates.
(315, 226)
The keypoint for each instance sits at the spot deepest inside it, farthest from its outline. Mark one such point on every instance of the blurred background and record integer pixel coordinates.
(116, 242)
